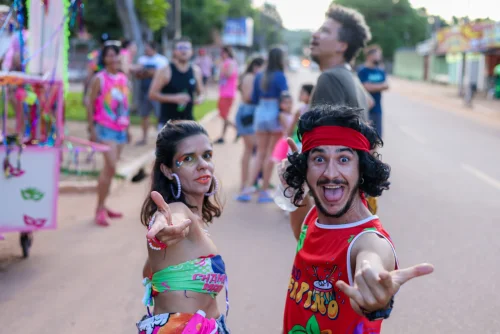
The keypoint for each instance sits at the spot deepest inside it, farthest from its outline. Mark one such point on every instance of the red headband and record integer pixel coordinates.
(334, 135)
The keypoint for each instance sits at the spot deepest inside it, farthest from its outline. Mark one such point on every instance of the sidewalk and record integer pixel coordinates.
(446, 97)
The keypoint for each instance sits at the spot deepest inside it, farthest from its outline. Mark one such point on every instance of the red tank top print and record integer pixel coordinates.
(313, 304)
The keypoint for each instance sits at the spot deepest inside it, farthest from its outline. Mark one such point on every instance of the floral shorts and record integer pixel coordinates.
(180, 323)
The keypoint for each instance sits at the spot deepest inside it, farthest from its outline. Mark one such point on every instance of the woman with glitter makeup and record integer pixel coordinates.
(182, 279)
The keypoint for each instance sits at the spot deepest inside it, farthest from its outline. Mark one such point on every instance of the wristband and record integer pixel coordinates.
(380, 314)
(155, 244)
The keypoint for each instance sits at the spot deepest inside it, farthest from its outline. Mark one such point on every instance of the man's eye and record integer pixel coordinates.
(344, 160)
(319, 159)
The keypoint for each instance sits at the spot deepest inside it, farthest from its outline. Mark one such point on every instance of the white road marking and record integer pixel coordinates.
(482, 176)
(410, 133)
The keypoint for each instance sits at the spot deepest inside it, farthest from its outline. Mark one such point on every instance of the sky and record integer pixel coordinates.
(294, 14)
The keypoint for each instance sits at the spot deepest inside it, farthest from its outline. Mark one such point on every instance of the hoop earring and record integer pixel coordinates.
(178, 195)
(362, 181)
(216, 188)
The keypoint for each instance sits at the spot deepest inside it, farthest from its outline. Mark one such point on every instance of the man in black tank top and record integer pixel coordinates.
(177, 86)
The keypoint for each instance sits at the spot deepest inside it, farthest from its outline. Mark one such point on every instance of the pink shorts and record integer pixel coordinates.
(280, 151)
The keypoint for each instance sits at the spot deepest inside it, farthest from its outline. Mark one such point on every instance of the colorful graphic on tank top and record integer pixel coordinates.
(111, 106)
(314, 305)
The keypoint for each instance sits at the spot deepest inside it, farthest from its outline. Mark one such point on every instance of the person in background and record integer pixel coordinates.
(93, 64)
(146, 67)
(177, 86)
(304, 99)
(127, 55)
(334, 46)
(205, 63)
(108, 122)
(286, 118)
(228, 85)
(373, 78)
(245, 116)
(267, 90)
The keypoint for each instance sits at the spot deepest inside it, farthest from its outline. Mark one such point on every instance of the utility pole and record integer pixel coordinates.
(178, 29)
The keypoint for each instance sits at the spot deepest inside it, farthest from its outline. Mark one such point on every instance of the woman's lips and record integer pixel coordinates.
(204, 179)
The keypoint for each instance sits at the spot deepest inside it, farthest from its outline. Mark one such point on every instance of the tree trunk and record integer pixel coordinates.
(130, 22)
(147, 34)
(164, 41)
(132, 31)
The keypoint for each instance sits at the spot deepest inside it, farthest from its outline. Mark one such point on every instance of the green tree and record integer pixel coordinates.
(393, 23)
(153, 13)
(240, 8)
(98, 24)
(199, 19)
(268, 27)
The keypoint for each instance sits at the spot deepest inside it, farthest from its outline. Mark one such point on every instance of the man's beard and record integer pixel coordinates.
(343, 211)
(315, 59)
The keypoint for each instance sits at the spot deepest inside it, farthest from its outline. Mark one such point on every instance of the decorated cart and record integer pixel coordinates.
(32, 140)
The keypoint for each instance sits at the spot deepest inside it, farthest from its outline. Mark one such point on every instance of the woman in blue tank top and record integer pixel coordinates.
(268, 87)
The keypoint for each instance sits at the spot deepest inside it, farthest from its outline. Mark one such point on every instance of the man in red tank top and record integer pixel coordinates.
(345, 273)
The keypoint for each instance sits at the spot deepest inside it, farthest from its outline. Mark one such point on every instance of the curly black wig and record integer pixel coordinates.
(374, 172)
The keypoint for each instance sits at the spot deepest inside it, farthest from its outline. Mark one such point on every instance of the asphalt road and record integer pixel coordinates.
(442, 208)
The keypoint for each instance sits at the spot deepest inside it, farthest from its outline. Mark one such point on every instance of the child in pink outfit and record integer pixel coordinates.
(286, 118)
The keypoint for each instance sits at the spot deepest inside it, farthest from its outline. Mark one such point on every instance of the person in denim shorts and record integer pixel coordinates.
(109, 121)
(245, 115)
(267, 90)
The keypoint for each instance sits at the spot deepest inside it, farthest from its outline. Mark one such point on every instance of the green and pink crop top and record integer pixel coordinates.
(202, 275)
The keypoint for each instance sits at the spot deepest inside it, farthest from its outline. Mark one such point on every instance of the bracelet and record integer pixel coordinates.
(155, 244)
(380, 314)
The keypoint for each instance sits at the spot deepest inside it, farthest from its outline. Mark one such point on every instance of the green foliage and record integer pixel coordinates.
(393, 23)
(199, 18)
(100, 17)
(240, 8)
(268, 27)
(75, 111)
(153, 12)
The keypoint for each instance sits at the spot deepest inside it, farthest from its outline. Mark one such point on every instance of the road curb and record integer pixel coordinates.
(126, 171)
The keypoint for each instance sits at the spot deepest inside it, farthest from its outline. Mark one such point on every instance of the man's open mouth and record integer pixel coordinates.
(333, 193)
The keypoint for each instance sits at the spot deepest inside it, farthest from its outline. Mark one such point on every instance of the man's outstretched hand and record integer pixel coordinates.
(372, 291)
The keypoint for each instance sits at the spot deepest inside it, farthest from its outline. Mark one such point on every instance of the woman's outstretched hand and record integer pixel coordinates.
(165, 228)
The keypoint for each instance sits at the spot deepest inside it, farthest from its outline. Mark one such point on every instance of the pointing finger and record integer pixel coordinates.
(162, 206)
(292, 145)
(159, 201)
